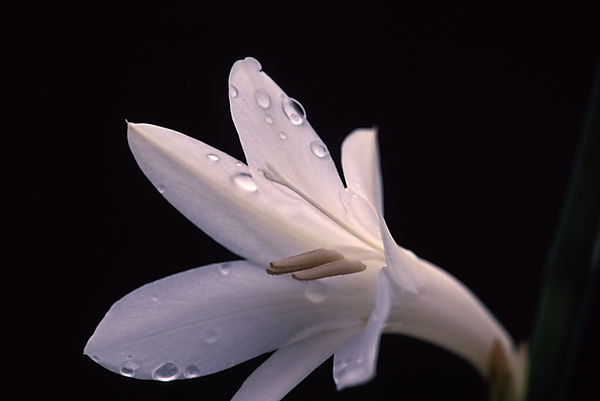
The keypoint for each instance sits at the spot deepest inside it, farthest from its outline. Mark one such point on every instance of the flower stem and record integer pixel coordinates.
(571, 270)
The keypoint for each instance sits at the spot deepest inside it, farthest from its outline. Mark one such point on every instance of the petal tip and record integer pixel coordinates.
(250, 64)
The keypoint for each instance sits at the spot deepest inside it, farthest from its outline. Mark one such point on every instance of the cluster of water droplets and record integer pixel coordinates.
(128, 367)
(165, 371)
(295, 113)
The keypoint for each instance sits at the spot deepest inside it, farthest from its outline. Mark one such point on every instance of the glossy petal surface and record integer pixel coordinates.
(355, 361)
(276, 136)
(248, 214)
(210, 318)
(288, 366)
(360, 161)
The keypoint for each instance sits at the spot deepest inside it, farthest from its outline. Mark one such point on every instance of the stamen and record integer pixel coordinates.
(335, 268)
(304, 261)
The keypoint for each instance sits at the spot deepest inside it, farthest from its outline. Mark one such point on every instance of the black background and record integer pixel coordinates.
(479, 114)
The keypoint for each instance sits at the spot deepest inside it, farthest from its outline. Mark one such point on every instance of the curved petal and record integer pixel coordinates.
(277, 137)
(210, 318)
(355, 361)
(432, 305)
(235, 205)
(402, 265)
(288, 366)
(360, 162)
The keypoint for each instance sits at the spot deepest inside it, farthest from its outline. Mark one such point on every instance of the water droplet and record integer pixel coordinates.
(315, 293)
(95, 358)
(160, 188)
(233, 91)
(224, 269)
(191, 371)
(129, 367)
(319, 149)
(213, 157)
(282, 136)
(269, 119)
(339, 368)
(165, 372)
(293, 111)
(262, 99)
(210, 335)
(239, 164)
(154, 297)
(245, 181)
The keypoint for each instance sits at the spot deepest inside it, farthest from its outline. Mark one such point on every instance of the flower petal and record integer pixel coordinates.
(288, 366)
(432, 305)
(360, 162)
(277, 137)
(355, 361)
(237, 206)
(210, 318)
(402, 265)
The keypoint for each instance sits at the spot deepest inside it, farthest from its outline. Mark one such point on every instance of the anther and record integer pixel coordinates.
(304, 261)
(335, 268)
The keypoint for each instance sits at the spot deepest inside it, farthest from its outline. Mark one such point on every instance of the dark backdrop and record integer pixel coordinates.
(479, 114)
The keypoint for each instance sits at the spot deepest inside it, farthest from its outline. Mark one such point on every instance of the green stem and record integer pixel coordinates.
(571, 270)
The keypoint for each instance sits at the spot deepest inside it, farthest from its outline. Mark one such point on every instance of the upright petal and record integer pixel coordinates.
(360, 161)
(237, 206)
(288, 366)
(277, 137)
(211, 318)
(355, 361)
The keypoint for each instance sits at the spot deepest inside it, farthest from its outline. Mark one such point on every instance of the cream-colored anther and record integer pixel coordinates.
(304, 261)
(335, 268)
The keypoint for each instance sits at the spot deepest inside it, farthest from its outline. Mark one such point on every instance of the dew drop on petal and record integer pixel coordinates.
(293, 110)
(239, 164)
(262, 99)
(319, 149)
(160, 188)
(210, 335)
(268, 119)
(233, 91)
(245, 182)
(166, 372)
(224, 269)
(95, 358)
(315, 293)
(282, 136)
(339, 368)
(191, 371)
(129, 367)
(212, 157)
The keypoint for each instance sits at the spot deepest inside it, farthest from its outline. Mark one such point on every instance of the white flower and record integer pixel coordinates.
(286, 211)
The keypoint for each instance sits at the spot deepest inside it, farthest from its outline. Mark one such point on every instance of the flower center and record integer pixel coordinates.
(272, 175)
(316, 264)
